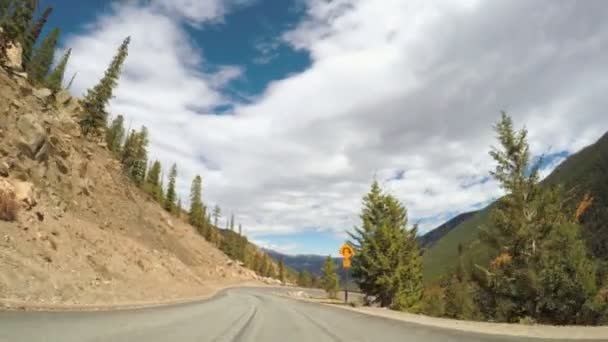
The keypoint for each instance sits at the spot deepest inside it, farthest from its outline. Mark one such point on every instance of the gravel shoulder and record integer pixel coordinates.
(502, 329)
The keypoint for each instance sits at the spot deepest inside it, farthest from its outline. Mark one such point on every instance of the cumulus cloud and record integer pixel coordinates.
(407, 88)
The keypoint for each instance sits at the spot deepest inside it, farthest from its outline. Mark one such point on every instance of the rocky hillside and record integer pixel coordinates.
(73, 229)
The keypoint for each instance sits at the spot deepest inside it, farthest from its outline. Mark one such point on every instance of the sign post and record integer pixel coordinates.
(347, 253)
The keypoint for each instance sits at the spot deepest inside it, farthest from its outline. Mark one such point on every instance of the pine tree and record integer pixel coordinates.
(171, 193)
(71, 81)
(329, 278)
(160, 198)
(41, 61)
(315, 282)
(33, 35)
(153, 186)
(55, 79)
(281, 271)
(541, 270)
(459, 300)
(96, 99)
(134, 155)
(138, 169)
(387, 265)
(115, 134)
(217, 213)
(304, 279)
(179, 207)
(6, 7)
(196, 215)
(16, 27)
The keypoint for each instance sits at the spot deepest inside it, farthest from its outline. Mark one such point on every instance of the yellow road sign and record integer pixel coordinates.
(346, 263)
(347, 251)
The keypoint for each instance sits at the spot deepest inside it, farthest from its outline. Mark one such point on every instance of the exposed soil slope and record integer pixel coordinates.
(84, 233)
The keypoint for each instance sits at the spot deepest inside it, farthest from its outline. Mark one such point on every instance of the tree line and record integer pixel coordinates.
(540, 272)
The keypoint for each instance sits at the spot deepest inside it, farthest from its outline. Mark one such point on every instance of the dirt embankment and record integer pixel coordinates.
(83, 233)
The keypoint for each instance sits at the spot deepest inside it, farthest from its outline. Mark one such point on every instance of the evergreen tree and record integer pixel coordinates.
(153, 186)
(71, 81)
(315, 282)
(179, 207)
(160, 198)
(459, 300)
(232, 222)
(16, 27)
(6, 7)
(217, 213)
(196, 215)
(387, 265)
(304, 279)
(55, 80)
(134, 155)
(171, 196)
(41, 61)
(115, 134)
(138, 170)
(96, 99)
(281, 271)
(541, 270)
(34, 34)
(329, 278)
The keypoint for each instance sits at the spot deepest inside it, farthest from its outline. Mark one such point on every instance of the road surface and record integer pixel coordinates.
(245, 314)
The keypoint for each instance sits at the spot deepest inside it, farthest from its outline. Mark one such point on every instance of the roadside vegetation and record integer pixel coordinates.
(540, 270)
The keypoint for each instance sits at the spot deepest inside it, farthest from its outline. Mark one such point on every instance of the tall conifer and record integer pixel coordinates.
(41, 61)
(55, 80)
(387, 265)
(171, 196)
(97, 98)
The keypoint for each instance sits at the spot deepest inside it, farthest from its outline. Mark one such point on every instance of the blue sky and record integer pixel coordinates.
(288, 109)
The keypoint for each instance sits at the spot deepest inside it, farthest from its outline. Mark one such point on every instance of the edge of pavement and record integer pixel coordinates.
(568, 332)
(214, 290)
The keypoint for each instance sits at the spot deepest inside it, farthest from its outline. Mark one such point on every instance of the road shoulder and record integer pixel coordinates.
(502, 329)
(210, 292)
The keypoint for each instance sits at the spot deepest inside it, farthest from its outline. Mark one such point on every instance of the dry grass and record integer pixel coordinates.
(8, 206)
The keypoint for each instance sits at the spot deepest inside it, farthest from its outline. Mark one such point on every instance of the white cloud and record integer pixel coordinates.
(394, 85)
(198, 11)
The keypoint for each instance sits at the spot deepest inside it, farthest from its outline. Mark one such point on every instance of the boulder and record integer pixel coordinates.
(24, 193)
(16, 103)
(4, 168)
(7, 187)
(14, 56)
(33, 136)
(86, 186)
(42, 93)
(59, 147)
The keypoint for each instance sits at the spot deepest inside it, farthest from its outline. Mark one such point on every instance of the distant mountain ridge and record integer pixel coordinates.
(429, 239)
(309, 262)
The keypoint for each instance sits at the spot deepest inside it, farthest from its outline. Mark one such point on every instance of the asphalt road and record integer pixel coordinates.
(245, 314)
